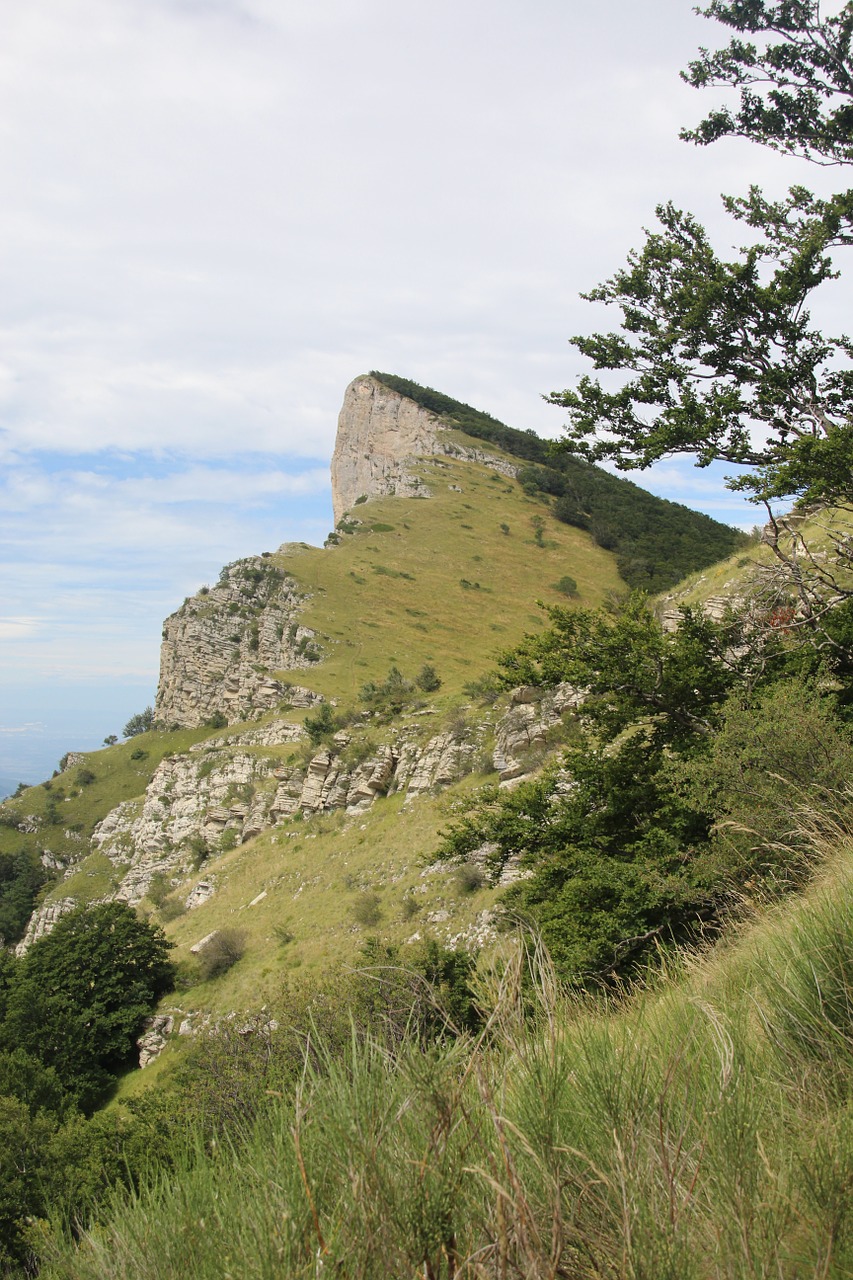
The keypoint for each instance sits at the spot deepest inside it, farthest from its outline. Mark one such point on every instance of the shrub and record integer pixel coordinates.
(222, 952)
(367, 909)
(85, 777)
(469, 877)
(140, 723)
(320, 726)
(228, 840)
(427, 679)
(52, 1013)
(567, 585)
(216, 721)
(391, 696)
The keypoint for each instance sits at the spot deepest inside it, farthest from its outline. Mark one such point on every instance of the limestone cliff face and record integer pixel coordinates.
(380, 433)
(220, 647)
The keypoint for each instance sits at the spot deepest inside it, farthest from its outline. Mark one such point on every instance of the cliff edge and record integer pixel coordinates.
(380, 433)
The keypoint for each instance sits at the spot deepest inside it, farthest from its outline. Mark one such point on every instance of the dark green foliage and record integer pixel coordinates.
(85, 777)
(21, 878)
(772, 756)
(707, 725)
(321, 725)
(78, 998)
(632, 668)
(140, 723)
(390, 696)
(796, 91)
(37, 1086)
(656, 542)
(567, 585)
(218, 720)
(712, 347)
(428, 679)
(23, 1139)
(424, 991)
(611, 857)
(720, 356)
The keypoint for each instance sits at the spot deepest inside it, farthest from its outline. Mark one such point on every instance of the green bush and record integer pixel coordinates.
(78, 998)
(139, 723)
(221, 953)
(427, 679)
(367, 909)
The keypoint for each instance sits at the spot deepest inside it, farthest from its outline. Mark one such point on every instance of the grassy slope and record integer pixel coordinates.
(735, 575)
(314, 872)
(396, 595)
(700, 1132)
(384, 596)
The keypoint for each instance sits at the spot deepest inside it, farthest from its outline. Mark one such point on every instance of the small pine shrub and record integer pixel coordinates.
(427, 679)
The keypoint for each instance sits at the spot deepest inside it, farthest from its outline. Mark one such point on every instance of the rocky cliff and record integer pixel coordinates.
(220, 648)
(381, 435)
(227, 790)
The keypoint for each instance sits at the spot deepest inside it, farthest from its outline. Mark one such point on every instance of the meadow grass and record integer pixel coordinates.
(696, 1131)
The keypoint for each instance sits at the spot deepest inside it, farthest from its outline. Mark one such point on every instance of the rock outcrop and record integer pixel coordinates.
(381, 436)
(220, 647)
(380, 433)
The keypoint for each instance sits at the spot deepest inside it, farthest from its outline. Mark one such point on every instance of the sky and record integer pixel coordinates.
(216, 213)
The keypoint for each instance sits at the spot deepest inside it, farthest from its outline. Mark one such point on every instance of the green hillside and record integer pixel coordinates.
(516, 1022)
(700, 1131)
(656, 542)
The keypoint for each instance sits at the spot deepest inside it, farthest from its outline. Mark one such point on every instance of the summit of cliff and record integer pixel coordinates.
(382, 435)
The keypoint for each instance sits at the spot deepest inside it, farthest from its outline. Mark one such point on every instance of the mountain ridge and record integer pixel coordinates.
(403, 584)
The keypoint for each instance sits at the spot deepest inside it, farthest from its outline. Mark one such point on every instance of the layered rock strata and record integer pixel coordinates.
(381, 436)
(220, 647)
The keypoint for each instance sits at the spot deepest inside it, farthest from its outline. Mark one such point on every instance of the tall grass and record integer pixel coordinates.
(702, 1130)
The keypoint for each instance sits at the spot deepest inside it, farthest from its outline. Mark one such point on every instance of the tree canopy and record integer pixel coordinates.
(78, 998)
(721, 357)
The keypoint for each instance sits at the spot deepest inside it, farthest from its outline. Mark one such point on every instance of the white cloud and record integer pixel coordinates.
(17, 628)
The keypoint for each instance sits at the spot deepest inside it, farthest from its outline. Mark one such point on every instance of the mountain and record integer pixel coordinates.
(471, 978)
(316, 706)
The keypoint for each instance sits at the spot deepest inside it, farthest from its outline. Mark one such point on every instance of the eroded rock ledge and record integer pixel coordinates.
(220, 647)
(227, 790)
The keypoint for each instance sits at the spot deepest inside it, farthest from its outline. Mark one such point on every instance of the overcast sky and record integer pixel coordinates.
(216, 213)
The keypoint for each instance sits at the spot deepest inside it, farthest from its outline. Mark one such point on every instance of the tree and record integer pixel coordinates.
(139, 723)
(720, 355)
(796, 92)
(79, 997)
